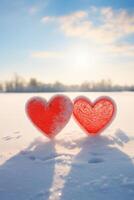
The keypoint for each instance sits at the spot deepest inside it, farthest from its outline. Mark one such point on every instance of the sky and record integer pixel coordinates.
(70, 41)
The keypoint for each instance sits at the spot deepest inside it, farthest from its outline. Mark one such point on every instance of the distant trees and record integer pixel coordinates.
(9, 86)
(105, 85)
(33, 85)
(1, 88)
(18, 84)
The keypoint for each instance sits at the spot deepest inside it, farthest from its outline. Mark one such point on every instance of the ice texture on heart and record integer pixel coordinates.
(94, 117)
(50, 117)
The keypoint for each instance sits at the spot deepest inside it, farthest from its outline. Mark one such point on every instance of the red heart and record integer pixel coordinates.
(50, 117)
(94, 117)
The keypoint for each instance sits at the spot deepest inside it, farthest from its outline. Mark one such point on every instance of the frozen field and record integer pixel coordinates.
(74, 166)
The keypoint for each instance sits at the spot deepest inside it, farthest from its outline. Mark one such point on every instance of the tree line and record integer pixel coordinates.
(18, 84)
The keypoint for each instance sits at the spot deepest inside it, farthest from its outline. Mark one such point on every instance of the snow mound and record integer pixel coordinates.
(73, 166)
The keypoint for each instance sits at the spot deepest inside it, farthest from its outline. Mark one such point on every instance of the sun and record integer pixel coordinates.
(82, 57)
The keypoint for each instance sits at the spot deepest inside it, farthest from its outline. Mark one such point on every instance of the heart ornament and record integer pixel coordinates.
(94, 117)
(49, 117)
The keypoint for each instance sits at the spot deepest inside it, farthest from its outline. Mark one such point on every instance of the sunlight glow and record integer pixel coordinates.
(83, 57)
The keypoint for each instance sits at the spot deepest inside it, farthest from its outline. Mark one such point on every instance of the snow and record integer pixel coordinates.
(73, 166)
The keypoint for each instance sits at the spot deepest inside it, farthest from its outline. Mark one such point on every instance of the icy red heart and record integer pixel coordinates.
(50, 117)
(94, 117)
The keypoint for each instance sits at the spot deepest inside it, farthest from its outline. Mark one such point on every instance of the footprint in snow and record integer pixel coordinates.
(6, 138)
(18, 137)
(47, 158)
(16, 132)
(95, 160)
(43, 159)
(96, 153)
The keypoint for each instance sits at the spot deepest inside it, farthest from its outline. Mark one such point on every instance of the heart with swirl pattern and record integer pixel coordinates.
(94, 117)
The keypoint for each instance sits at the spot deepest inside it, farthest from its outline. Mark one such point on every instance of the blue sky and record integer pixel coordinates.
(69, 41)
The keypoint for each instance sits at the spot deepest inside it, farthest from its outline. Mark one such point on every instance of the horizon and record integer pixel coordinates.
(20, 85)
(20, 79)
(70, 42)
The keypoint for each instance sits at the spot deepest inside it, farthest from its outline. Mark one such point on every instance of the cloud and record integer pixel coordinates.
(99, 25)
(33, 10)
(48, 19)
(63, 19)
(122, 49)
(47, 54)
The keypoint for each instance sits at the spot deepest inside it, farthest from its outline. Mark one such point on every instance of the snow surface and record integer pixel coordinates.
(73, 166)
